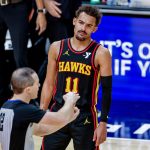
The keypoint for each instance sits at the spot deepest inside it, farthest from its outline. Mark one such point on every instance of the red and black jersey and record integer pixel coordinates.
(77, 73)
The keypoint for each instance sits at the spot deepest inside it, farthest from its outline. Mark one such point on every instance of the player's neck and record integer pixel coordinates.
(21, 97)
(79, 45)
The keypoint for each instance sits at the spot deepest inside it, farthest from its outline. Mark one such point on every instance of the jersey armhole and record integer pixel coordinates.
(93, 57)
(60, 50)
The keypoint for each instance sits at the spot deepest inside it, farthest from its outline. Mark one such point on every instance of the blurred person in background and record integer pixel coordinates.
(59, 18)
(14, 16)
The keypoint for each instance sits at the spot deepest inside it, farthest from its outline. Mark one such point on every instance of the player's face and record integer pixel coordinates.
(35, 87)
(84, 26)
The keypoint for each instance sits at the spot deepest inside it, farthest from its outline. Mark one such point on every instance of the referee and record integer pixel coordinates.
(19, 119)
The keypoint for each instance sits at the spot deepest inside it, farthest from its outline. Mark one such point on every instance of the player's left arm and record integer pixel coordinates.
(104, 61)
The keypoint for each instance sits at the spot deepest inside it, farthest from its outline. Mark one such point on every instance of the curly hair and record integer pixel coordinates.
(91, 11)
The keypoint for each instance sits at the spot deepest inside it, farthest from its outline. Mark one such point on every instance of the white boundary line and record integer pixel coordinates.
(127, 139)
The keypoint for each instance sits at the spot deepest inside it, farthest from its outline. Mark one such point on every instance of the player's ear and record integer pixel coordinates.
(74, 20)
(27, 89)
(95, 29)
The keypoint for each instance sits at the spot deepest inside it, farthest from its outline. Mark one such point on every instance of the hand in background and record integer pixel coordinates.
(53, 8)
(41, 23)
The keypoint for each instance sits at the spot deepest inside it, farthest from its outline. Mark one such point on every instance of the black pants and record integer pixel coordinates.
(81, 131)
(15, 18)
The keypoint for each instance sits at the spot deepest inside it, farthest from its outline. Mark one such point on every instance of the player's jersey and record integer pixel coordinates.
(16, 118)
(77, 73)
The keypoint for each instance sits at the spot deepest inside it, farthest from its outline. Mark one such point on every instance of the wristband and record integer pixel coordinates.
(41, 11)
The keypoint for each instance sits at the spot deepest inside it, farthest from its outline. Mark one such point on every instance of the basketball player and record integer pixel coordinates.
(78, 64)
(17, 115)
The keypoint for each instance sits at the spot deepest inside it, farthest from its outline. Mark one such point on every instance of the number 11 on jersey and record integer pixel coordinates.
(72, 84)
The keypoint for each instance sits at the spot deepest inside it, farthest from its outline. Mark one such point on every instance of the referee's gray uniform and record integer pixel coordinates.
(16, 118)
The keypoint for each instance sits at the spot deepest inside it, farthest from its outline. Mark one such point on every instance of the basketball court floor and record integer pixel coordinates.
(111, 144)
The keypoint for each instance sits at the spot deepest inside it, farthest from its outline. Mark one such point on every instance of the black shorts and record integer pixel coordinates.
(81, 131)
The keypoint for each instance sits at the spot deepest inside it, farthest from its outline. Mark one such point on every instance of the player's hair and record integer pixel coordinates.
(22, 78)
(91, 11)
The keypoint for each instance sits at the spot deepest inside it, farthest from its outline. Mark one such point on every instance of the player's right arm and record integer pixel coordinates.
(49, 82)
(53, 121)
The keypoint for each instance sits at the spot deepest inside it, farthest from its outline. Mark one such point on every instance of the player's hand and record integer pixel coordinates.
(52, 7)
(71, 98)
(100, 134)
